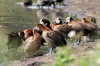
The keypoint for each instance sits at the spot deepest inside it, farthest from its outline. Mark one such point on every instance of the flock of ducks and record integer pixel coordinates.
(56, 33)
(41, 3)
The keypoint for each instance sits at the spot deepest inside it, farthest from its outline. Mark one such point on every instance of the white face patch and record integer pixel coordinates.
(19, 34)
(57, 20)
(68, 19)
(41, 22)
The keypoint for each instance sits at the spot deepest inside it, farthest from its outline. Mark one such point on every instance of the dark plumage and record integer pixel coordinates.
(27, 2)
(42, 3)
(53, 38)
(91, 28)
(59, 1)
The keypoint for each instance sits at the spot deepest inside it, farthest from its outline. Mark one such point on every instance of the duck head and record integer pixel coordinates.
(58, 20)
(69, 19)
(45, 22)
(84, 20)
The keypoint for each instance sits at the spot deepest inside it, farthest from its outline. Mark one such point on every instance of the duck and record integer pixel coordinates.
(53, 38)
(57, 26)
(78, 27)
(60, 27)
(32, 44)
(29, 32)
(27, 2)
(59, 1)
(48, 24)
(42, 3)
(92, 27)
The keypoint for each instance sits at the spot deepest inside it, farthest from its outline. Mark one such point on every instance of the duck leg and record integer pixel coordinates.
(51, 50)
(78, 41)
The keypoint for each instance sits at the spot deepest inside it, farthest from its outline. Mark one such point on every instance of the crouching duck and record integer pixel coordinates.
(32, 44)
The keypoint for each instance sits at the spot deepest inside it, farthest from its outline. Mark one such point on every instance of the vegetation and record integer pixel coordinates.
(67, 57)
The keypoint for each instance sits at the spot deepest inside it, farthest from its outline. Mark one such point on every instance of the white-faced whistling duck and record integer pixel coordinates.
(91, 28)
(32, 43)
(59, 1)
(27, 2)
(60, 27)
(48, 3)
(53, 38)
(78, 27)
(57, 26)
(29, 32)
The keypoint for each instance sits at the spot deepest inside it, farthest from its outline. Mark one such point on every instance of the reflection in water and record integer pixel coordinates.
(12, 54)
(57, 13)
(42, 13)
(5, 54)
(50, 13)
(14, 41)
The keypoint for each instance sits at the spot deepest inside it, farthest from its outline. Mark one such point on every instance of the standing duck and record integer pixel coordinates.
(53, 38)
(60, 27)
(78, 27)
(27, 2)
(48, 3)
(91, 28)
(57, 26)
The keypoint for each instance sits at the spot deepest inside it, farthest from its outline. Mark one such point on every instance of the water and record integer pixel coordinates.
(14, 17)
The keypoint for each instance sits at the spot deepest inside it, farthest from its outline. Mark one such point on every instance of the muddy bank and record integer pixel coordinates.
(37, 61)
(81, 49)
